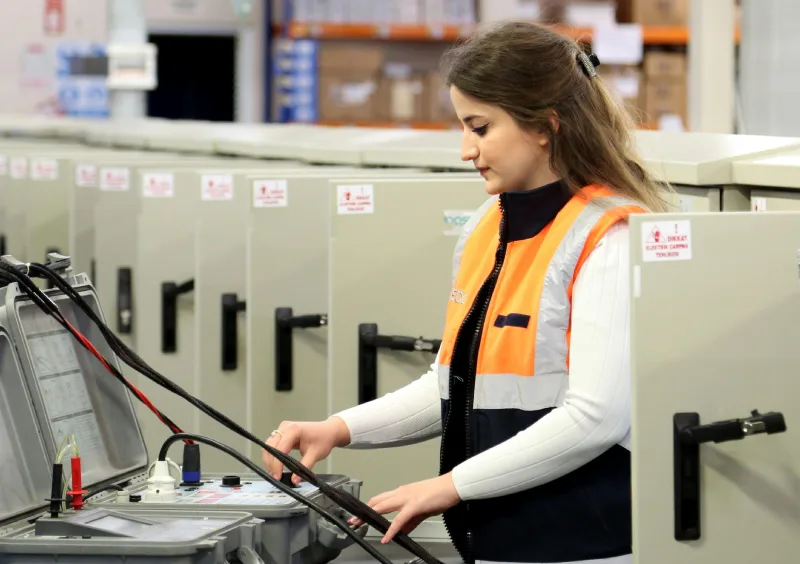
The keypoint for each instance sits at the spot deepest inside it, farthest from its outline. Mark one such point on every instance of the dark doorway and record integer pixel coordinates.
(196, 77)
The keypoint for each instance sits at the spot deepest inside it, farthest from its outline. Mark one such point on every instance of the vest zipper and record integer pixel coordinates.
(486, 293)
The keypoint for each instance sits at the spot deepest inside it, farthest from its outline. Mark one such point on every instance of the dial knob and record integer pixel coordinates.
(231, 482)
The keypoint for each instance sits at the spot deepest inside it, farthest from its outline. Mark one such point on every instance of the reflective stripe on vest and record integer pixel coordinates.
(524, 354)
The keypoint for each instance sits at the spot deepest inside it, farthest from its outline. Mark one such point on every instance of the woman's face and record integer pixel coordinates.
(508, 158)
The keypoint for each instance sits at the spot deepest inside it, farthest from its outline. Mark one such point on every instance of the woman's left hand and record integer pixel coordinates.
(415, 503)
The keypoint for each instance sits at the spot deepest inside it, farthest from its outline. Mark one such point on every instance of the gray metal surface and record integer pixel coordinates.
(392, 267)
(293, 276)
(221, 268)
(769, 47)
(167, 251)
(289, 530)
(130, 535)
(700, 343)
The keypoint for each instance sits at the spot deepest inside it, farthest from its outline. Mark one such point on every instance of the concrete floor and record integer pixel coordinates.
(444, 551)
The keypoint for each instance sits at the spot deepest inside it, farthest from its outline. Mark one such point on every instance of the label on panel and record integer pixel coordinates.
(666, 241)
(86, 176)
(158, 185)
(115, 179)
(685, 204)
(19, 168)
(358, 199)
(3, 165)
(758, 204)
(455, 220)
(270, 194)
(44, 169)
(216, 187)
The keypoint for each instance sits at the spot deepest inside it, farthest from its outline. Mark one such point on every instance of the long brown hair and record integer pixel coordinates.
(534, 73)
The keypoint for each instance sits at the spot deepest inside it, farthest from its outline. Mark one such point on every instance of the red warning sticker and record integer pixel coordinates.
(666, 240)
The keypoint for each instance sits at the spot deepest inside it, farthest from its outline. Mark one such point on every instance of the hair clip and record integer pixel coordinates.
(589, 63)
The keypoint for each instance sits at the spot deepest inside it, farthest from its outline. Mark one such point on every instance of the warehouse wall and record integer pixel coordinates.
(28, 54)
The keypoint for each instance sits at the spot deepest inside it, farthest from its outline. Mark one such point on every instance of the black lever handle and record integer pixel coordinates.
(169, 313)
(231, 306)
(369, 341)
(125, 300)
(688, 435)
(285, 323)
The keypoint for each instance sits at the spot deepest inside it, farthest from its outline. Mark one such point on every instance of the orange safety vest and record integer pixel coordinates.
(537, 291)
(520, 374)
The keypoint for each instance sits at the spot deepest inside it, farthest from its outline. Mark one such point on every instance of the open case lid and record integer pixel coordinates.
(25, 466)
(67, 392)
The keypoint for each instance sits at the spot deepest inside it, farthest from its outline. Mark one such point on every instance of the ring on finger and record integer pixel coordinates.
(276, 432)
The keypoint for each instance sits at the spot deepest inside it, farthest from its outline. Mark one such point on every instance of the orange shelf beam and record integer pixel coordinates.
(652, 35)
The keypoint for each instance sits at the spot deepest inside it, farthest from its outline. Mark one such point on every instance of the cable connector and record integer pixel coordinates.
(191, 472)
(77, 492)
(55, 498)
(161, 485)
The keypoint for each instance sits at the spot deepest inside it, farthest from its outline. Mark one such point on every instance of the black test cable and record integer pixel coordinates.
(10, 275)
(348, 502)
(47, 305)
(162, 455)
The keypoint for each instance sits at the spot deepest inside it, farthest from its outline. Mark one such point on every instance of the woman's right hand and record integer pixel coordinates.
(314, 440)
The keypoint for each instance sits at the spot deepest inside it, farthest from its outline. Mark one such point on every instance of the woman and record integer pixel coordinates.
(530, 390)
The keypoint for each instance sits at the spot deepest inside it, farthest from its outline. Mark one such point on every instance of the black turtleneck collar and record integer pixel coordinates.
(528, 212)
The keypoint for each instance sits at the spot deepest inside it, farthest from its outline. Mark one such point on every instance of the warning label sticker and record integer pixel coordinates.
(216, 187)
(19, 168)
(115, 179)
(758, 204)
(44, 169)
(356, 199)
(158, 185)
(86, 176)
(666, 240)
(270, 194)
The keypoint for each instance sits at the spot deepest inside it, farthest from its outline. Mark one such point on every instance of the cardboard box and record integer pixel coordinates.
(654, 12)
(402, 94)
(349, 79)
(626, 85)
(438, 106)
(666, 96)
(663, 64)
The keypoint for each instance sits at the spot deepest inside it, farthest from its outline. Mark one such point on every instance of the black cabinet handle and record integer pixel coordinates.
(285, 323)
(2, 245)
(93, 272)
(369, 341)
(687, 436)
(125, 300)
(231, 306)
(169, 313)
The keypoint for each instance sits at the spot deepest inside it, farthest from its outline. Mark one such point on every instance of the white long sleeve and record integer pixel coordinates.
(595, 414)
(409, 415)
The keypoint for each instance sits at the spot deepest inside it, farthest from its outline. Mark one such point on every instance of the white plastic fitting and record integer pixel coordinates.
(123, 497)
(161, 485)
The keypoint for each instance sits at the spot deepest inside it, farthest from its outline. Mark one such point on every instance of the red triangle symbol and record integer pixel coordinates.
(655, 235)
